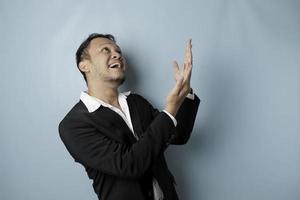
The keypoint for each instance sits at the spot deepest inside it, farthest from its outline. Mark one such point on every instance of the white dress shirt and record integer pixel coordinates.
(93, 103)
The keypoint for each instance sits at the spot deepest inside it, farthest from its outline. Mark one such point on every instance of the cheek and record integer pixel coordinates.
(101, 63)
(99, 67)
(125, 63)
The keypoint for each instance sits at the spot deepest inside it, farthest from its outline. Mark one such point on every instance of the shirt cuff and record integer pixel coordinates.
(171, 116)
(190, 96)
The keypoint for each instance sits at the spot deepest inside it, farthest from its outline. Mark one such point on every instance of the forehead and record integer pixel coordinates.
(98, 42)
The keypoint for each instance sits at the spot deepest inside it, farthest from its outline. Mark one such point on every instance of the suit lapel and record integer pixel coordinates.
(112, 125)
(135, 116)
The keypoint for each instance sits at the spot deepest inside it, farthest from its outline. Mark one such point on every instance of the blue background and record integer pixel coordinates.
(245, 144)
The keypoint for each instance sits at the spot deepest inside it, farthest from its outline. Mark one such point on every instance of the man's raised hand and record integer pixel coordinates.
(185, 71)
(183, 78)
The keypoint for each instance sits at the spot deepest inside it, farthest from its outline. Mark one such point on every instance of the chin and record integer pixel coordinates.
(118, 80)
(122, 81)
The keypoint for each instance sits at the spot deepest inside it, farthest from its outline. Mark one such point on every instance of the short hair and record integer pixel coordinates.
(82, 52)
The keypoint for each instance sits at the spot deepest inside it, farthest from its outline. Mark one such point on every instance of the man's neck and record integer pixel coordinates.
(104, 92)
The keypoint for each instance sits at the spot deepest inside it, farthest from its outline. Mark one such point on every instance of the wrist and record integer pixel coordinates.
(171, 109)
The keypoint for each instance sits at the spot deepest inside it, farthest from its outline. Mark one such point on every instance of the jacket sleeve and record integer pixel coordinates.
(91, 148)
(185, 117)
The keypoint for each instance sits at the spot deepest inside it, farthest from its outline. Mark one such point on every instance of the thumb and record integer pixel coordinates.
(178, 85)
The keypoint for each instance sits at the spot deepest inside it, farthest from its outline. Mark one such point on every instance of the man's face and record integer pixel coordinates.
(106, 61)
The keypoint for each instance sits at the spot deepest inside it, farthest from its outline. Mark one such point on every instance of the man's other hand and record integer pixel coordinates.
(183, 79)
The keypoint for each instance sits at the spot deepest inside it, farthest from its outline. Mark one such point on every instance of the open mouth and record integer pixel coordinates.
(115, 65)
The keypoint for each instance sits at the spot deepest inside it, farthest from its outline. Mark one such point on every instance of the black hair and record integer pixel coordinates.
(82, 52)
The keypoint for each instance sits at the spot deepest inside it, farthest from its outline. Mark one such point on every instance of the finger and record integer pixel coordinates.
(191, 53)
(176, 70)
(178, 85)
(190, 56)
(187, 72)
(175, 67)
(188, 52)
(185, 67)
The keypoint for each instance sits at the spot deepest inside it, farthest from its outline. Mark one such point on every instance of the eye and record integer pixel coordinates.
(119, 51)
(105, 50)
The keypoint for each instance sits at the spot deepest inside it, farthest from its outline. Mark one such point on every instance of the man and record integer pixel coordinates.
(120, 138)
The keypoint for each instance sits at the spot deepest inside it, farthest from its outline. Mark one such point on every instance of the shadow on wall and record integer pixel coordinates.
(210, 133)
(132, 79)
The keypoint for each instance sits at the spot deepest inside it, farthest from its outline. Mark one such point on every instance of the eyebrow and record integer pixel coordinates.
(105, 44)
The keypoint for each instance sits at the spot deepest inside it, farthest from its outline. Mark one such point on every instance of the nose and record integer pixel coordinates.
(116, 55)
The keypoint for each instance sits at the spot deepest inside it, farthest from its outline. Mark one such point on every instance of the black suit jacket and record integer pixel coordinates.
(121, 166)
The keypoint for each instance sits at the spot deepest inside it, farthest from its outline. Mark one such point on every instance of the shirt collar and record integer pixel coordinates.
(93, 103)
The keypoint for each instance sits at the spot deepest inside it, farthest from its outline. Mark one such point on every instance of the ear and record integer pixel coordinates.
(83, 66)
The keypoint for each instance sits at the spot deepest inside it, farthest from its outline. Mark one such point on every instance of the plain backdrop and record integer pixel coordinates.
(245, 144)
